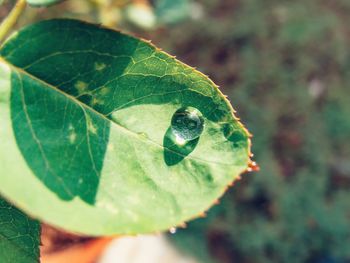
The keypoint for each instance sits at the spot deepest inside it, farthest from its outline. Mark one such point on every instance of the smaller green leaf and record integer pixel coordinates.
(19, 236)
(172, 12)
(39, 3)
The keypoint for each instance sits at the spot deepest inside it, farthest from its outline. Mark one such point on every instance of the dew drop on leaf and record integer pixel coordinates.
(187, 124)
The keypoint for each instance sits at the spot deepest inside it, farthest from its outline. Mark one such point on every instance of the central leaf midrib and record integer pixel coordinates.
(73, 99)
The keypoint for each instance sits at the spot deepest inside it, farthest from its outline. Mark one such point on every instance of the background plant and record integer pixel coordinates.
(290, 61)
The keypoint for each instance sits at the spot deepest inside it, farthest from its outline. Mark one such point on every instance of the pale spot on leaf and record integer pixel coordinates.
(100, 66)
(104, 91)
(92, 128)
(96, 101)
(72, 137)
(81, 86)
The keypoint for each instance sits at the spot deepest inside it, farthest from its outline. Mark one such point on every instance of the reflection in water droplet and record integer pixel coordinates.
(172, 230)
(179, 140)
(187, 124)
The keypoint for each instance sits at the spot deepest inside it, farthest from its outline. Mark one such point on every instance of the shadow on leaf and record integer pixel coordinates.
(174, 152)
(63, 143)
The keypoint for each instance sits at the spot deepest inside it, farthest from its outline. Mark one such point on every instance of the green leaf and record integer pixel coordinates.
(40, 3)
(85, 117)
(19, 236)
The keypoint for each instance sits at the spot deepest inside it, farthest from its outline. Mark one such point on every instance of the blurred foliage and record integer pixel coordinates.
(286, 68)
(285, 65)
(170, 11)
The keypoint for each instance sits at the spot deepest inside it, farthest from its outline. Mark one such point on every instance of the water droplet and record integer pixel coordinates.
(172, 230)
(187, 124)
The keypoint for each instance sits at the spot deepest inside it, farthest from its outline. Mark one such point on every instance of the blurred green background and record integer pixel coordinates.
(285, 66)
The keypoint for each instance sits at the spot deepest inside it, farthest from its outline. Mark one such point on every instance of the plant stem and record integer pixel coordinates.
(12, 18)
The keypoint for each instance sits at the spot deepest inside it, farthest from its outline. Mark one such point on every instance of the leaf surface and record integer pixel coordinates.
(19, 236)
(85, 117)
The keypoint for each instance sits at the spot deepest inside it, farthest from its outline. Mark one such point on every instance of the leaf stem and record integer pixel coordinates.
(9, 22)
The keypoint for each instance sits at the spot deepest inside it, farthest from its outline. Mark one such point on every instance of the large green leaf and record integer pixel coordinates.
(19, 236)
(85, 133)
(43, 2)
